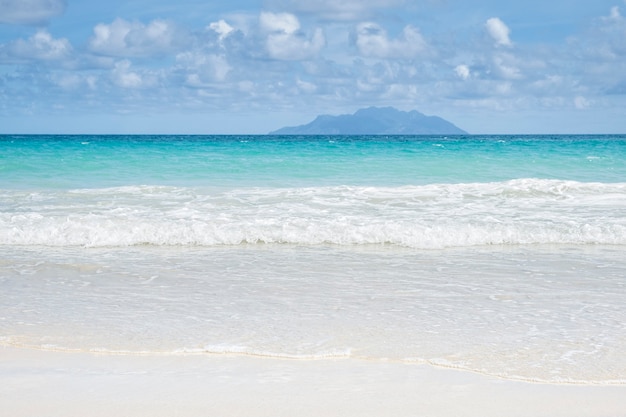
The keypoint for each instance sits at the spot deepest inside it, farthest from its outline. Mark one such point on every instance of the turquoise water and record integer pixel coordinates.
(227, 161)
(496, 254)
(419, 192)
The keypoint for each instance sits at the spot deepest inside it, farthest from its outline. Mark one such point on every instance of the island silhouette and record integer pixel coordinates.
(375, 121)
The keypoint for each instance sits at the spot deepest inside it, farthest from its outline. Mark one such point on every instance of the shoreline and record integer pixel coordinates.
(442, 365)
(37, 382)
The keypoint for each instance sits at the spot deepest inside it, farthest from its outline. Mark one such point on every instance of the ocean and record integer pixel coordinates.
(502, 255)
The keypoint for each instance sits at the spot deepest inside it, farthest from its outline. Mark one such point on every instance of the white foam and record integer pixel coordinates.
(526, 211)
(248, 351)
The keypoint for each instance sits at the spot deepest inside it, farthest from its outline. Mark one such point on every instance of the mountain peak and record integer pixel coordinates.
(375, 121)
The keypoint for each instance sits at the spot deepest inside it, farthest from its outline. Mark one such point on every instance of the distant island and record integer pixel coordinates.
(375, 121)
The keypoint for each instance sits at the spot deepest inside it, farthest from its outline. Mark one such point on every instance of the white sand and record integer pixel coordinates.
(38, 383)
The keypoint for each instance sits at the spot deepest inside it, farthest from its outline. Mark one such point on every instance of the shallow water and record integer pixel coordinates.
(542, 313)
(499, 255)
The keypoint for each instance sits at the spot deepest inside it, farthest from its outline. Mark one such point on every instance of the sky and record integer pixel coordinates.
(252, 66)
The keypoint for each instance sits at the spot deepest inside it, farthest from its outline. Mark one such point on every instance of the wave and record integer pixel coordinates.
(226, 350)
(517, 212)
(242, 351)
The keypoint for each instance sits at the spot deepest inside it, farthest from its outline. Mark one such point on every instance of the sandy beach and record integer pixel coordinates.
(44, 383)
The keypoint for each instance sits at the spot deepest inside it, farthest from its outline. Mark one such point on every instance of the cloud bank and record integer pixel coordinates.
(346, 10)
(122, 38)
(41, 46)
(316, 57)
(372, 41)
(284, 39)
(30, 12)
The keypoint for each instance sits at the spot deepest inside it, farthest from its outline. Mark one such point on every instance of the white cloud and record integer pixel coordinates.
(615, 13)
(30, 12)
(504, 66)
(41, 46)
(285, 23)
(306, 86)
(372, 41)
(401, 92)
(123, 76)
(203, 68)
(222, 28)
(133, 39)
(284, 40)
(603, 43)
(71, 81)
(498, 31)
(462, 71)
(346, 10)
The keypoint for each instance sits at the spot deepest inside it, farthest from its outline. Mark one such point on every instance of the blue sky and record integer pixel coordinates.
(252, 66)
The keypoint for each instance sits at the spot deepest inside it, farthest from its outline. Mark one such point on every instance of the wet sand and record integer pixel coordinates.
(67, 384)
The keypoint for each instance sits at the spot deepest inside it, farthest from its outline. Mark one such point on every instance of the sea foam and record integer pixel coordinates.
(524, 211)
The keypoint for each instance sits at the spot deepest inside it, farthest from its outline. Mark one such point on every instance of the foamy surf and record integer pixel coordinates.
(516, 212)
(500, 256)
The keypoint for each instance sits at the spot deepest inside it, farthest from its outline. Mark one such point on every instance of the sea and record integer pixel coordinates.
(503, 255)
